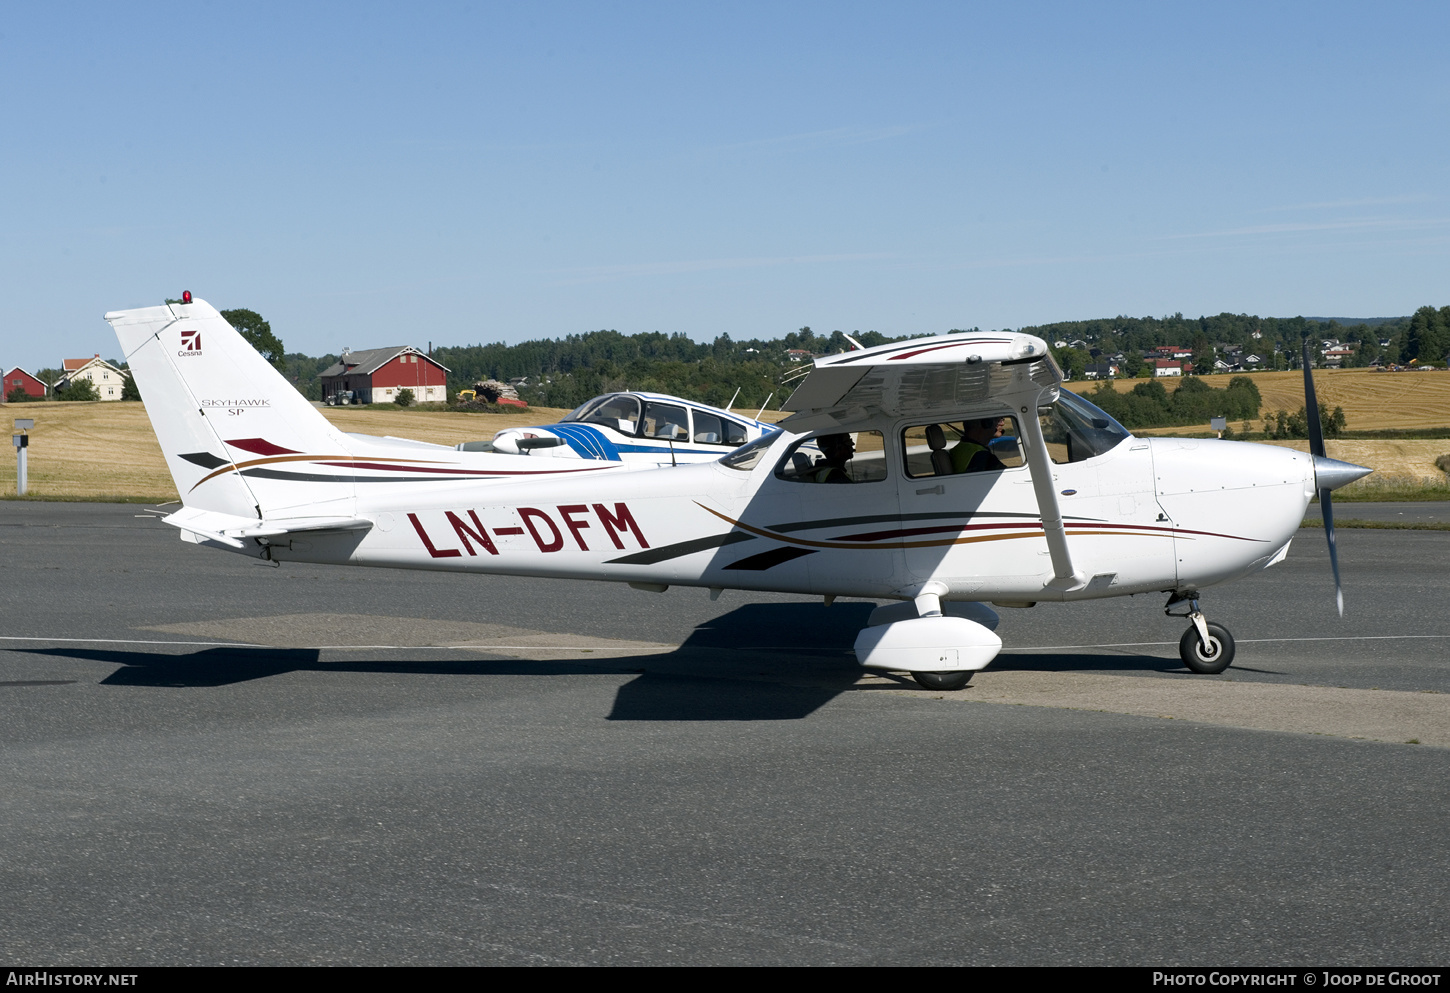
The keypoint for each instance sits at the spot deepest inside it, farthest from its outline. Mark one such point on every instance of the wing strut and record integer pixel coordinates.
(1065, 577)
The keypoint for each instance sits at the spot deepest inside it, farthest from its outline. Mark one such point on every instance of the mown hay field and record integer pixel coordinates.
(1400, 467)
(107, 451)
(1372, 401)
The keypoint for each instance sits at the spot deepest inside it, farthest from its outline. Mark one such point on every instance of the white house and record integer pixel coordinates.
(106, 378)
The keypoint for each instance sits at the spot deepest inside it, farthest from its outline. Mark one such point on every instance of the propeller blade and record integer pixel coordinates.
(1316, 448)
(1327, 506)
(1311, 407)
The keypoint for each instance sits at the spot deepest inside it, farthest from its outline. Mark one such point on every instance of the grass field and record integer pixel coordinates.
(1372, 401)
(107, 451)
(1403, 470)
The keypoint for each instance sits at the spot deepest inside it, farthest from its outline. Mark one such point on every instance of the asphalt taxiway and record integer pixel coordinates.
(208, 761)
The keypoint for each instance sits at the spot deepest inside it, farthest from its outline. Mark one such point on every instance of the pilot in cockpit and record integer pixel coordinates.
(837, 450)
(971, 454)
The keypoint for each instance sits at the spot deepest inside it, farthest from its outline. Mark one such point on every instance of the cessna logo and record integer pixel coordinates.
(547, 535)
(190, 342)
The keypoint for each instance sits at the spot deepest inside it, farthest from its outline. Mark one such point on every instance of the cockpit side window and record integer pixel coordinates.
(858, 457)
(667, 421)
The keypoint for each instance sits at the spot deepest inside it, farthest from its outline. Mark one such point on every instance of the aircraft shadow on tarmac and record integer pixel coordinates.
(759, 662)
(1165, 661)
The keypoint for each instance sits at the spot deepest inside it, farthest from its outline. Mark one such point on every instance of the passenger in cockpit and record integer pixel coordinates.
(971, 454)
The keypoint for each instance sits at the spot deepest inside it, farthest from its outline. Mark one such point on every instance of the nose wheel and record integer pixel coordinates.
(1205, 648)
(1207, 655)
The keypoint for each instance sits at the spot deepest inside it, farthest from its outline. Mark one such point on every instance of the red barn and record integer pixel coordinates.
(376, 375)
(19, 379)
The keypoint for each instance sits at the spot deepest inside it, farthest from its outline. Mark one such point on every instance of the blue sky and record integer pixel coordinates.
(370, 174)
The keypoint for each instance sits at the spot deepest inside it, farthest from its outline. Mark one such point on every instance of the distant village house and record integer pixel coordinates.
(376, 375)
(106, 378)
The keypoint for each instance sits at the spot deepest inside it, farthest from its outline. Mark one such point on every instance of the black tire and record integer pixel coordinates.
(1216, 659)
(943, 680)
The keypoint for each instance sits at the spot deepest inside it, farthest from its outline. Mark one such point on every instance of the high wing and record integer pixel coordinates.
(946, 375)
(950, 377)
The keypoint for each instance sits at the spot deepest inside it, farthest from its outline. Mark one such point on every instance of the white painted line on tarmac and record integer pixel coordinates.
(343, 648)
(131, 641)
(1239, 641)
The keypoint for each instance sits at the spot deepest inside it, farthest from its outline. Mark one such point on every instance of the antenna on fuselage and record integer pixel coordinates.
(763, 406)
(732, 400)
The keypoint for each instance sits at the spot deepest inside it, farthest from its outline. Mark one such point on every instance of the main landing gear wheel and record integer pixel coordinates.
(1213, 658)
(943, 680)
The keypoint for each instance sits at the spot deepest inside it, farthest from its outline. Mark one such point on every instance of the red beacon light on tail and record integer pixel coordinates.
(186, 296)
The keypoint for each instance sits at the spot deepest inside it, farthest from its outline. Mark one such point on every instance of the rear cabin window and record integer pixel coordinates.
(712, 429)
(950, 448)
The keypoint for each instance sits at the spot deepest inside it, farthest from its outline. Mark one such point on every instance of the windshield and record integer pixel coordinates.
(747, 457)
(619, 411)
(1075, 429)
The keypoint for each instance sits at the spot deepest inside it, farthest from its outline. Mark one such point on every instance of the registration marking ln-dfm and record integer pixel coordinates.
(469, 531)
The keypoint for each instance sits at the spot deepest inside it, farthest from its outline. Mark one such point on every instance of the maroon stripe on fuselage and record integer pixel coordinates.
(947, 529)
(459, 472)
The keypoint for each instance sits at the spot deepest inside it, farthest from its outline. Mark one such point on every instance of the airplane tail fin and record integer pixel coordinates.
(225, 416)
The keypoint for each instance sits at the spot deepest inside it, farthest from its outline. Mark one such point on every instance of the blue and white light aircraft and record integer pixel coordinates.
(1069, 505)
(649, 428)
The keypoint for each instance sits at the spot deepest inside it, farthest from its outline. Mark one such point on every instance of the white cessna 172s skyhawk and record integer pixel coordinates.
(1070, 507)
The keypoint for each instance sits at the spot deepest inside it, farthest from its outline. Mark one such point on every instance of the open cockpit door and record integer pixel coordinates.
(943, 379)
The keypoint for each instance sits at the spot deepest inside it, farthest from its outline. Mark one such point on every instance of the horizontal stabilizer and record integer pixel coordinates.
(230, 529)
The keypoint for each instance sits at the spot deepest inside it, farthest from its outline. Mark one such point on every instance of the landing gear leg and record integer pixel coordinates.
(1205, 648)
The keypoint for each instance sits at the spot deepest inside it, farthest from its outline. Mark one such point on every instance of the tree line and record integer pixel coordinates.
(1423, 338)
(565, 372)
